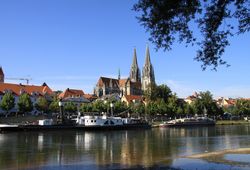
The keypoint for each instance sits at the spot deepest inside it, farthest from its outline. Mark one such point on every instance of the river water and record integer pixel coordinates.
(157, 148)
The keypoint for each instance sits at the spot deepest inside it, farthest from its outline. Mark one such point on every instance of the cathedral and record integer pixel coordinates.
(133, 85)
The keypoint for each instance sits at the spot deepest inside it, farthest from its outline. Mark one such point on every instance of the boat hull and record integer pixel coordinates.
(187, 124)
(73, 127)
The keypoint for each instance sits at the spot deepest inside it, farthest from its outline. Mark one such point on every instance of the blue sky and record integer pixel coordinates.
(71, 43)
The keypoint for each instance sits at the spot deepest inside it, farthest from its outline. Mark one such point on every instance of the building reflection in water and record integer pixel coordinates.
(125, 148)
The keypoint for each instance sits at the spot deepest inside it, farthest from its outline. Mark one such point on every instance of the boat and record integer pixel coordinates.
(86, 123)
(191, 121)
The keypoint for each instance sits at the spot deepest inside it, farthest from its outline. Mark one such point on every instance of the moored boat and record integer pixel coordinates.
(192, 121)
(82, 123)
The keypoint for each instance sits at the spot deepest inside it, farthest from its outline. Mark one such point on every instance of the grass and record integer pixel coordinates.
(232, 122)
(20, 119)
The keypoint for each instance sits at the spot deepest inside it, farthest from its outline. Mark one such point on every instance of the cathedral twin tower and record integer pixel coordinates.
(148, 76)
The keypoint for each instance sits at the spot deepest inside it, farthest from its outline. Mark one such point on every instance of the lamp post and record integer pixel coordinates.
(112, 106)
(106, 104)
(61, 111)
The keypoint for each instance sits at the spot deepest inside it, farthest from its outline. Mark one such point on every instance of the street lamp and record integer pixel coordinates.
(112, 106)
(106, 103)
(61, 110)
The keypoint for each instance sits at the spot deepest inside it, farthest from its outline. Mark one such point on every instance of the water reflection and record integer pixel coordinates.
(123, 148)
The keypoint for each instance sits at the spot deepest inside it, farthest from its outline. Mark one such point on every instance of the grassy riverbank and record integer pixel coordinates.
(219, 122)
(19, 119)
(232, 122)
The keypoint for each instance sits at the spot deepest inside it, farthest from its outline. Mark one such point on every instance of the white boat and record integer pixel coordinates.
(106, 121)
(192, 121)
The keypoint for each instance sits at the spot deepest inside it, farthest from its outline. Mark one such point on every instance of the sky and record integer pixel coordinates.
(71, 43)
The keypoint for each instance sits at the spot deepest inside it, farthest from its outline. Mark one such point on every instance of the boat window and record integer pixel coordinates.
(95, 120)
(91, 120)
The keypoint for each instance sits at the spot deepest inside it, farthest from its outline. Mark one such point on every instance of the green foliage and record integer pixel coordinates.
(137, 108)
(42, 104)
(8, 102)
(170, 21)
(119, 107)
(54, 106)
(158, 93)
(99, 106)
(86, 107)
(172, 105)
(24, 103)
(205, 104)
(70, 107)
(242, 107)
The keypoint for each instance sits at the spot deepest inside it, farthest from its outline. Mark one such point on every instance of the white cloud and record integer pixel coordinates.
(182, 89)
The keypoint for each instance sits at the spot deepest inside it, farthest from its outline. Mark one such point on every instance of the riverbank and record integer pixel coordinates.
(20, 119)
(232, 122)
(219, 122)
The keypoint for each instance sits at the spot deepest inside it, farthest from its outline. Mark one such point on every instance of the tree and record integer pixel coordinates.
(42, 104)
(86, 107)
(24, 103)
(158, 92)
(205, 104)
(8, 102)
(172, 106)
(54, 105)
(70, 107)
(216, 20)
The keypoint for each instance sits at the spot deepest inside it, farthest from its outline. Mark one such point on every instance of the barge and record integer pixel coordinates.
(85, 123)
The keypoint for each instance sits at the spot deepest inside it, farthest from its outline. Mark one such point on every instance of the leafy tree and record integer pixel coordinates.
(42, 104)
(137, 108)
(172, 105)
(151, 109)
(99, 106)
(158, 92)
(119, 107)
(162, 107)
(168, 21)
(70, 107)
(188, 109)
(24, 103)
(8, 102)
(205, 103)
(54, 106)
(86, 107)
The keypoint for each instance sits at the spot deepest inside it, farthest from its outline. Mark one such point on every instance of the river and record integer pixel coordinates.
(157, 148)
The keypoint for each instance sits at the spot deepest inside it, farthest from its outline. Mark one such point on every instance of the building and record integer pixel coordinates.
(128, 99)
(73, 95)
(133, 85)
(33, 91)
(148, 76)
(1, 75)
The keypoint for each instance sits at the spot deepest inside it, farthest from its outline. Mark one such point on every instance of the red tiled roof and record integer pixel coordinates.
(130, 98)
(89, 96)
(71, 92)
(18, 88)
(105, 81)
(122, 82)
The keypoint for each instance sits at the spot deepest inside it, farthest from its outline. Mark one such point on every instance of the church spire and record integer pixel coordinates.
(135, 75)
(147, 60)
(1, 75)
(119, 74)
(148, 76)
